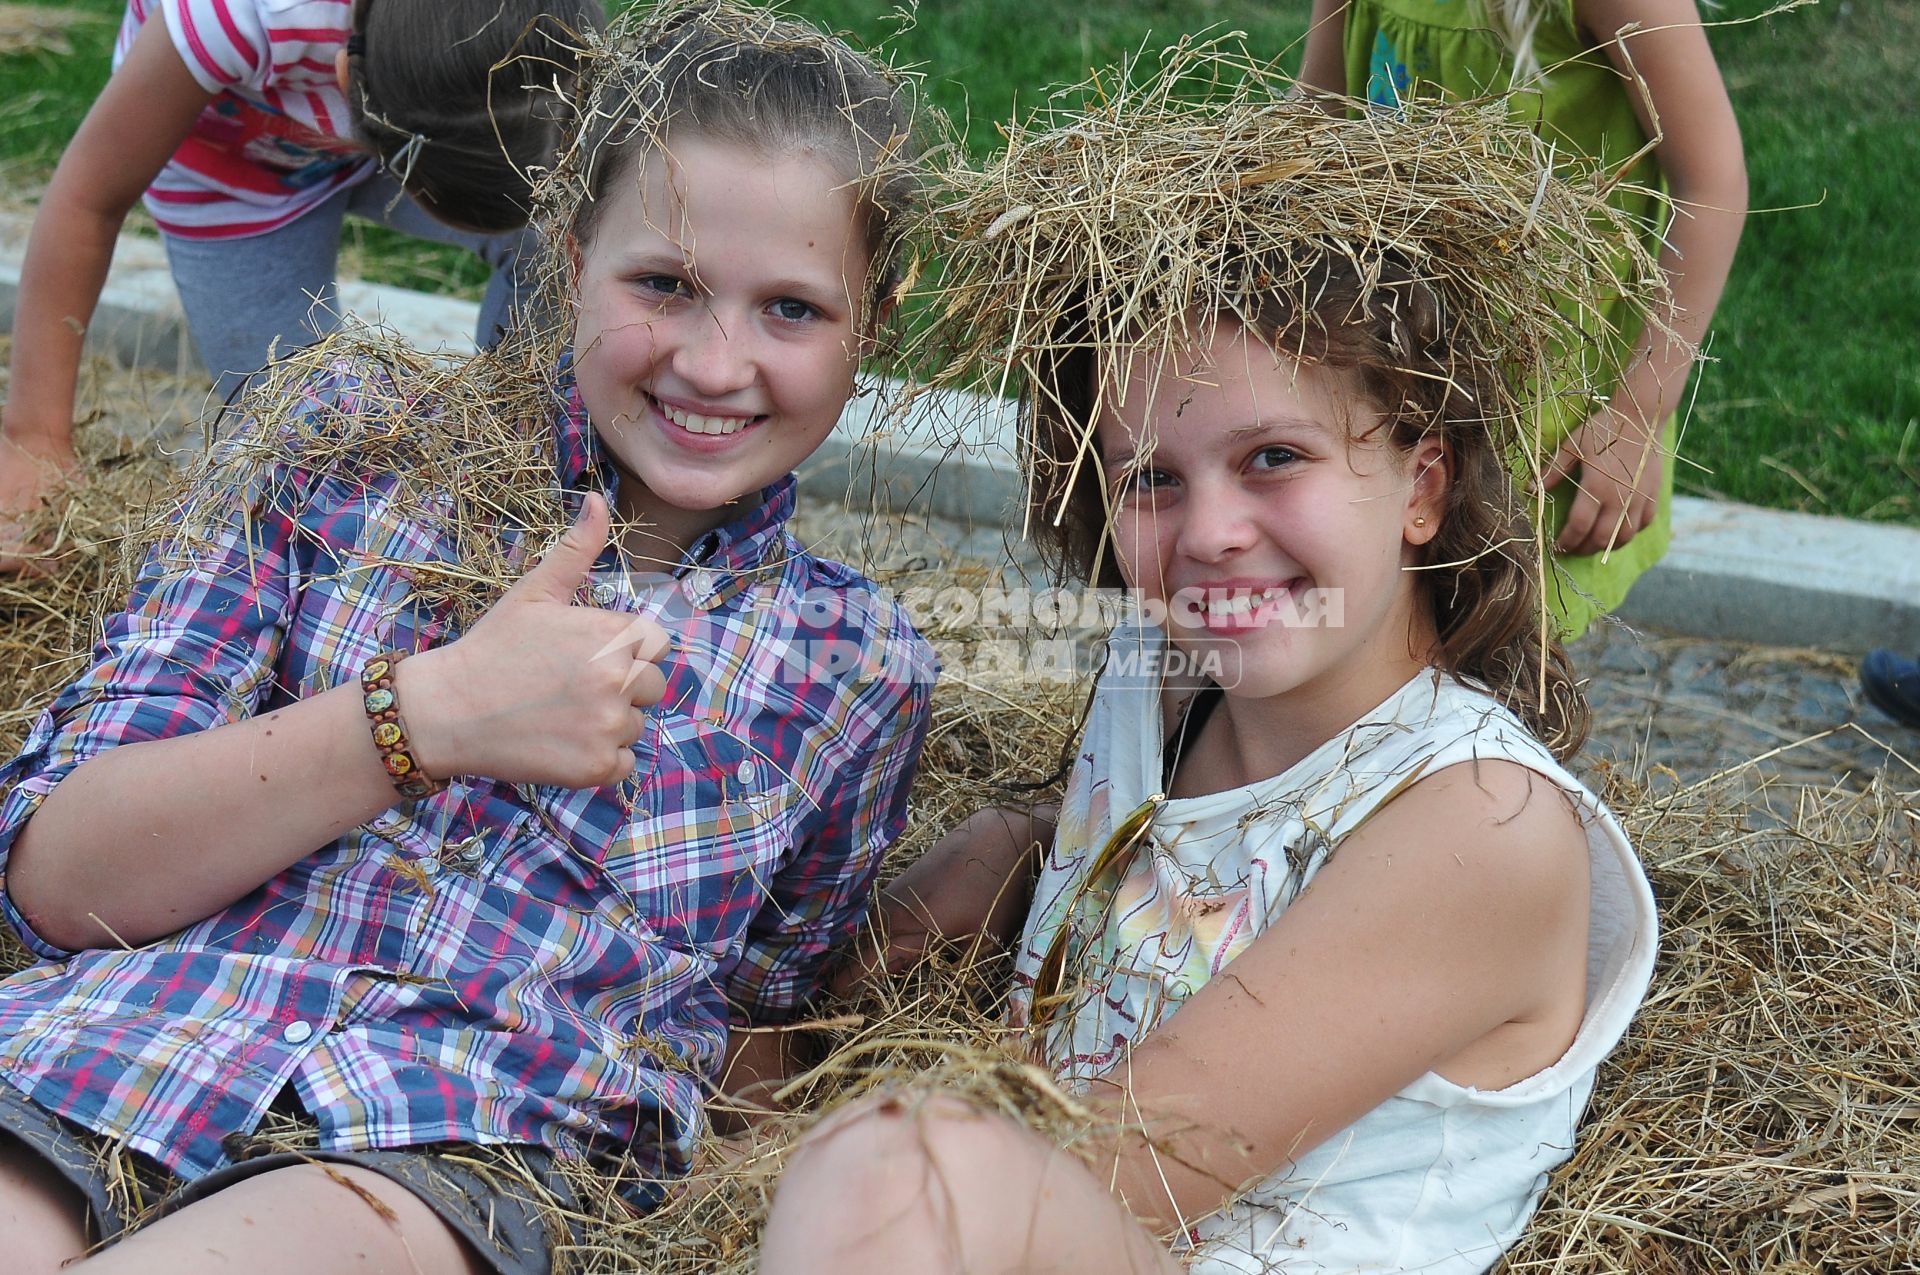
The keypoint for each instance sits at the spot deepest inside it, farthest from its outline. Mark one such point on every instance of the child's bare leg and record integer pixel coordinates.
(309, 1220)
(42, 1217)
(929, 1184)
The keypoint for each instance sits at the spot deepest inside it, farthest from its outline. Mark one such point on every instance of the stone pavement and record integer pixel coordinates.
(1699, 707)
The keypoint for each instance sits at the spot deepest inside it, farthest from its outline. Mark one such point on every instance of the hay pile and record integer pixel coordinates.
(1764, 1112)
(47, 624)
(1763, 1115)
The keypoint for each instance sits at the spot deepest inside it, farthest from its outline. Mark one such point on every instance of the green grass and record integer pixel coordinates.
(43, 94)
(1813, 400)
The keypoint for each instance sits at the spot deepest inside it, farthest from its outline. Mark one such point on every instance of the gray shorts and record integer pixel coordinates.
(241, 296)
(505, 1202)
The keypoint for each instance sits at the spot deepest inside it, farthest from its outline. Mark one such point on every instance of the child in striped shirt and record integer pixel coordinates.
(254, 127)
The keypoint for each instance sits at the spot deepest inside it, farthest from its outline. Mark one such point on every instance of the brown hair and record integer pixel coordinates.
(463, 99)
(746, 77)
(1480, 575)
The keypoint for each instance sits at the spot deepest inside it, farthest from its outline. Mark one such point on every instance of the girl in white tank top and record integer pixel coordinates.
(1326, 936)
(1440, 1176)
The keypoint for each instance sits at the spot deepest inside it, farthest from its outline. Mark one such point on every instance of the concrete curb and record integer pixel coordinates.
(1734, 572)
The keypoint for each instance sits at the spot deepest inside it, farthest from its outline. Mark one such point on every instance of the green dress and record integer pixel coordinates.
(1401, 48)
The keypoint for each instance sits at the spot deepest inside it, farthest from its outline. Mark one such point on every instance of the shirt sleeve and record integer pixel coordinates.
(817, 903)
(196, 645)
(224, 43)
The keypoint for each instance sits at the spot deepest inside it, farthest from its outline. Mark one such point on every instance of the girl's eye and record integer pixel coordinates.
(661, 285)
(793, 310)
(1274, 457)
(1145, 482)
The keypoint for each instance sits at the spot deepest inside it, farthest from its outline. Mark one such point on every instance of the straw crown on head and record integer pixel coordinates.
(1435, 251)
(1187, 189)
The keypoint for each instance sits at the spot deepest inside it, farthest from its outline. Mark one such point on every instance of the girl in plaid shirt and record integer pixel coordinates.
(461, 893)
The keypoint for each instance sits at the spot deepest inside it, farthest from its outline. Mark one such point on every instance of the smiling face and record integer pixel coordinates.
(1256, 499)
(716, 342)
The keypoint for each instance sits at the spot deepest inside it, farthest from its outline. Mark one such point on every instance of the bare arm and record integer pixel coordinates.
(1323, 67)
(145, 838)
(1461, 951)
(139, 120)
(759, 1061)
(1617, 450)
(970, 888)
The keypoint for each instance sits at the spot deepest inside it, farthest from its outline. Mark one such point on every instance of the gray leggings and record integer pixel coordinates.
(240, 295)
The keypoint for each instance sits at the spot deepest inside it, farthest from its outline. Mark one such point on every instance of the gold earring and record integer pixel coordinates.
(1419, 522)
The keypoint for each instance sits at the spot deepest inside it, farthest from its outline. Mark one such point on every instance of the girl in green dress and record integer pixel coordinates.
(1602, 78)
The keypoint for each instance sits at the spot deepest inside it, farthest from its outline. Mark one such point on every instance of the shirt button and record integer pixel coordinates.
(296, 1033)
(745, 772)
(429, 866)
(604, 594)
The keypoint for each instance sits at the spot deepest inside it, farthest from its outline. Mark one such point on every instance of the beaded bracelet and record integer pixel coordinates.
(389, 733)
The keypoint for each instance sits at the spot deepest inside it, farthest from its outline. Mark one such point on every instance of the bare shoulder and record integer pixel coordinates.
(1500, 793)
(1503, 829)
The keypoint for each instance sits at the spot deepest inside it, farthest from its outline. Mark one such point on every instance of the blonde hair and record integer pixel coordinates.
(1515, 21)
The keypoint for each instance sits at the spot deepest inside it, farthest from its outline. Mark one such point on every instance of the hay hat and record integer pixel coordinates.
(1134, 211)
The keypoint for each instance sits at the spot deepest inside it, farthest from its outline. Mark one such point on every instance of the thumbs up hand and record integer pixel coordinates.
(539, 690)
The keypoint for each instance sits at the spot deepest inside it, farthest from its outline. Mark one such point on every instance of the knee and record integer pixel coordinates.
(917, 1168)
(42, 1217)
(899, 1138)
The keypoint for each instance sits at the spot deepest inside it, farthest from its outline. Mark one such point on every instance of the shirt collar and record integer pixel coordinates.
(721, 564)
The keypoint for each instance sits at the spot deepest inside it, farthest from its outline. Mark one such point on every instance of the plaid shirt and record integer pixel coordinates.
(493, 964)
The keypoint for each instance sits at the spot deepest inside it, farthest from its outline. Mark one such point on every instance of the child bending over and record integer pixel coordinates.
(254, 127)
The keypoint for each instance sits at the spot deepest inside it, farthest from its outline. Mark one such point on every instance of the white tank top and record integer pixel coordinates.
(1439, 1177)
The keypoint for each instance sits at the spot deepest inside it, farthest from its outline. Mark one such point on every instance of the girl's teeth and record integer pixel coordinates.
(694, 423)
(1241, 605)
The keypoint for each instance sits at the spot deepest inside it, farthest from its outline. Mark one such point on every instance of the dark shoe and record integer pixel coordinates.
(1892, 684)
